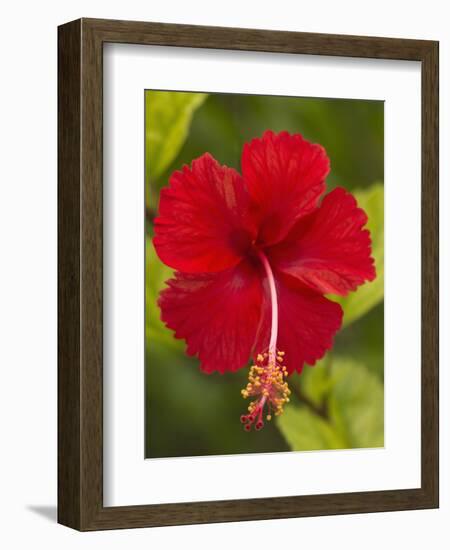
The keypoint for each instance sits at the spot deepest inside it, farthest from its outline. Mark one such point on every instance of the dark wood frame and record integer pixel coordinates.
(80, 272)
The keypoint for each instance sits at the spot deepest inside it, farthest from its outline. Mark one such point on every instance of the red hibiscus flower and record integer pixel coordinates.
(255, 255)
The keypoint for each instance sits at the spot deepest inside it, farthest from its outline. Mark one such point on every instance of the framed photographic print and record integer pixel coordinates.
(248, 274)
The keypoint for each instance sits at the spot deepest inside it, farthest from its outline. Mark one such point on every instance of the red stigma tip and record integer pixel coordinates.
(247, 427)
(259, 425)
(244, 418)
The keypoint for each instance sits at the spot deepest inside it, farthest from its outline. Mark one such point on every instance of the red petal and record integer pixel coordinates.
(203, 223)
(307, 323)
(285, 175)
(328, 250)
(217, 315)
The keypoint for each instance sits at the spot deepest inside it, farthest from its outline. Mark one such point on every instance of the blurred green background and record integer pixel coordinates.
(339, 403)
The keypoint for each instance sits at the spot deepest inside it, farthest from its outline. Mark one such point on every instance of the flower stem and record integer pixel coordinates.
(273, 305)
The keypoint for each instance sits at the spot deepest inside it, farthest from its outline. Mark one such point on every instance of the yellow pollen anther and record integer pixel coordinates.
(268, 387)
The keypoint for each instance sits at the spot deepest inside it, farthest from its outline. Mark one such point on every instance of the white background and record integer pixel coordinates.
(28, 274)
(128, 70)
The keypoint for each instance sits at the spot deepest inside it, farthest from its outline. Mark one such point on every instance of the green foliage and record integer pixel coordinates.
(356, 404)
(306, 431)
(157, 274)
(356, 304)
(168, 116)
(353, 416)
(315, 382)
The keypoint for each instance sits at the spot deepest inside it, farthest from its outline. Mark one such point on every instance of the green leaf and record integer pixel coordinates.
(356, 404)
(315, 382)
(156, 274)
(355, 409)
(358, 303)
(306, 431)
(167, 119)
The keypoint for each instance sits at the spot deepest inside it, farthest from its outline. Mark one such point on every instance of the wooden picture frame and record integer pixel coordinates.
(80, 272)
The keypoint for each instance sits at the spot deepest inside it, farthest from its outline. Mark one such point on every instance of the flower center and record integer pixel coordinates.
(266, 380)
